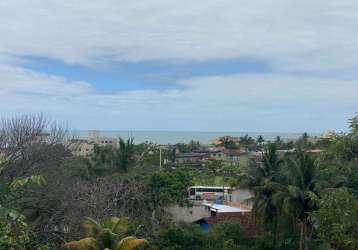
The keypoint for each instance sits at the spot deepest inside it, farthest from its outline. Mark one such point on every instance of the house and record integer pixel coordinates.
(43, 137)
(232, 157)
(188, 214)
(221, 212)
(236, 157)
(103, 141)
(207, 212)
(200, 196)
(95, 138)
(194, 159)
(218, 155)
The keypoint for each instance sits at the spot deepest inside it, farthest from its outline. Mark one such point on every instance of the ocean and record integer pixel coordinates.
(172, 137)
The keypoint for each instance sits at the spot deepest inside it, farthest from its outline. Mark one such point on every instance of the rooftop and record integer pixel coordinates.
(225, 208)
(192, 154)
(211, 187)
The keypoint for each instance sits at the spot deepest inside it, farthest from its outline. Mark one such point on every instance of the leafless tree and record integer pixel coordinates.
(28, 140)
(35, 145)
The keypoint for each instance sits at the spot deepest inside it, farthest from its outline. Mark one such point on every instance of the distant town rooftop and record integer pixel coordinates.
(192, 154)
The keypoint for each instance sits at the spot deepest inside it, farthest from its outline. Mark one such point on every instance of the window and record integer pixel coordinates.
(192, 191)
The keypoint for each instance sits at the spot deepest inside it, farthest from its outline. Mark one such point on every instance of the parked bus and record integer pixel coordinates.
(210, 193)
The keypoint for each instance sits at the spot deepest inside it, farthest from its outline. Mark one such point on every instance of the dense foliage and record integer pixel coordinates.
(302, 200)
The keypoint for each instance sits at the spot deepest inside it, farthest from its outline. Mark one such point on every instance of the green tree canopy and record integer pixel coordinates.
(337, 219)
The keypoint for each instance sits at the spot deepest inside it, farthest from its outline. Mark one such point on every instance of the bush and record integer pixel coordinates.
(180, 237)
(227, 233)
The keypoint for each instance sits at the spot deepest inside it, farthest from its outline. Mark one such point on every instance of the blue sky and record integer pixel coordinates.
(275, 66)
(156, 75)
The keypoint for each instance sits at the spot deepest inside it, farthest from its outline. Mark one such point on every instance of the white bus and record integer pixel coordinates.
(210, 193)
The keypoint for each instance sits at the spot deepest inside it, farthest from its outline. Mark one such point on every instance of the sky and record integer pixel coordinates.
(203, 65)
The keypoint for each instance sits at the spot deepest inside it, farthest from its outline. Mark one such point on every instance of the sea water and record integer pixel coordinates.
(172, 137)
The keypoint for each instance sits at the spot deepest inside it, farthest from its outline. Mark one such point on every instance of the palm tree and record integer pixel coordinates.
(125, 153)
(108, 235)
(194, 145)
(260, 141)
(263, 179)
(247, 141)
(101, 159)
(300, 197)
(227, 142)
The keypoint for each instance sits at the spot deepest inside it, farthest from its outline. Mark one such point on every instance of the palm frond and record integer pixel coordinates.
(84, 244)
(91, 226)
(130, 243)
(312, 197)
(295, 192)
(119, 225)
(21, 182)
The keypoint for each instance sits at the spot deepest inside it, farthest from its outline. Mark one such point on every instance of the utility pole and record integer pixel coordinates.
(160, 157)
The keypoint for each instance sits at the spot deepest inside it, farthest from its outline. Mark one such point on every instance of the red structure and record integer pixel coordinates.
(219, 213)
(245, 220)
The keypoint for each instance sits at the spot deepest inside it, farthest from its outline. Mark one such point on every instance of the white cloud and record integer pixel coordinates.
(238, 102)
(311, 37)
(292, 35)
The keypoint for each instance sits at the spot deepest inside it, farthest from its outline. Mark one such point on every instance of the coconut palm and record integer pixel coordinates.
(260, 141)
(227, 142)
(247, 141)
(263, 179)
(300, 196)
(109, 234)
(265, 171)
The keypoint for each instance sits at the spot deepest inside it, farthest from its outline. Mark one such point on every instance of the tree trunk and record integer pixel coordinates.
(275, 232)
(307, 234)
(301, 236)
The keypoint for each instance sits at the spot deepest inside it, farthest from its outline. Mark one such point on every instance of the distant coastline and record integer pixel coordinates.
(173, 137)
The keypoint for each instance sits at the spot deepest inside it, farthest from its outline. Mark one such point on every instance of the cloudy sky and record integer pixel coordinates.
(208, 65)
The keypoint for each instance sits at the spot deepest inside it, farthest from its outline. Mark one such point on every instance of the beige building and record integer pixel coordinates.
(95, 138)
(43, 137)
(81, 147)
(85, 147)
(103, 141)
